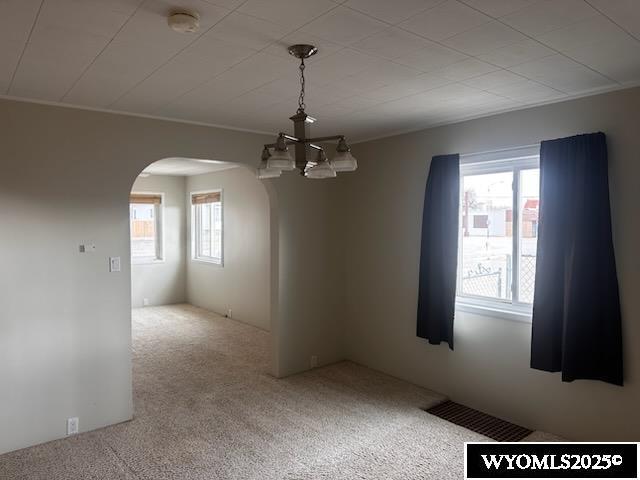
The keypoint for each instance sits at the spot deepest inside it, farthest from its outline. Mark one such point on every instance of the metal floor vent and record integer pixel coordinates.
(479, 422)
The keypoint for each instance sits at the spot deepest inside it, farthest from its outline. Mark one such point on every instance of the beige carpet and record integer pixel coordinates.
(205, 408)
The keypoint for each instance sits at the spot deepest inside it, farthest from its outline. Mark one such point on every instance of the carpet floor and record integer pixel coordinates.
(206, 408)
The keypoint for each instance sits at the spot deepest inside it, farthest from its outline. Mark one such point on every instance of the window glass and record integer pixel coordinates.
(144, 219)
(487, 228)
(207, 230)
(529, 212)
(216, 230)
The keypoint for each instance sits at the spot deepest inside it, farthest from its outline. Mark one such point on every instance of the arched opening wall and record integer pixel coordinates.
(232, 276)
(65, 319)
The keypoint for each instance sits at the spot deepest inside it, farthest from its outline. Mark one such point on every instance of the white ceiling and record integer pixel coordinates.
(185, 167)
(384, 65)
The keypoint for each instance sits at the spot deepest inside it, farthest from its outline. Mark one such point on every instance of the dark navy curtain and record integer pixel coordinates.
(576, 310)
(439, 251)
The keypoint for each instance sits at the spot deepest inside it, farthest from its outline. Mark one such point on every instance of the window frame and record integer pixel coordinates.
(159, 230)
(195, 223)
(508, 160)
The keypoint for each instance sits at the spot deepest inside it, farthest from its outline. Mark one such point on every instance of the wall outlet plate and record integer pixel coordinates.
(313, 361)
(73, 425)
(114, 264)
(145, 302)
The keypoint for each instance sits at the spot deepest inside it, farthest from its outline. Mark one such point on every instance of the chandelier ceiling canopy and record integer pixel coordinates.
(309, 157)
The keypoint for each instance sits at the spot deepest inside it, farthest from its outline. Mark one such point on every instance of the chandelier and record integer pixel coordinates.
(309, 157)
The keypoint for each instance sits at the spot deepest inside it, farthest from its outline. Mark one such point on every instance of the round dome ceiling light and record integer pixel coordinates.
(184, 21)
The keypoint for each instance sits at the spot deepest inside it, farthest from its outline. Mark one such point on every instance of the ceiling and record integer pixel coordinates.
(186, 167)
(383, 67)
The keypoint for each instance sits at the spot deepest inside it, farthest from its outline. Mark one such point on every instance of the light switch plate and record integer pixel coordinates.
(114, 264)
(88, 248)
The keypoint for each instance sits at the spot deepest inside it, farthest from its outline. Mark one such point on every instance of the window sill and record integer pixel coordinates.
(147, 261)
(504, 313)
(217, 263)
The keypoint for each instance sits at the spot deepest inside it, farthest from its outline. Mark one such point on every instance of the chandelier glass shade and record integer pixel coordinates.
(277, 158)
(264, 171)
(322, 168)
(344, 161)
(281, 159)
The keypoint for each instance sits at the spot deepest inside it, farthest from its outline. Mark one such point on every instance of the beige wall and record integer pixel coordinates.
(489, 368)
(65, 321)
(164, 282)
(242, 282)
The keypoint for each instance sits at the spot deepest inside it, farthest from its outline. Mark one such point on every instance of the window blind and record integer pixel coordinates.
(145, 198)
(211, 197)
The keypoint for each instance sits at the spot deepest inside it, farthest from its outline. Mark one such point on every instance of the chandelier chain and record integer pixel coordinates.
(301, 104)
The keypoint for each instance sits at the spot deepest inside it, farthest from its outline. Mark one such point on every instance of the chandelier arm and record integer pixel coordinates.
(290, 141)
(324, 139)
(304, 142)
(290, 137)
(274, 145)
(294, 142)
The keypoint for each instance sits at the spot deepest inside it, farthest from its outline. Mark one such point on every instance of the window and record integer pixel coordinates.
(206, 230)
(499, 200)
(145, 217)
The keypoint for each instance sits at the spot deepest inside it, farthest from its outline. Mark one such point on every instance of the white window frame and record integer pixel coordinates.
(514, 160)
(195, 222)
(159, 218)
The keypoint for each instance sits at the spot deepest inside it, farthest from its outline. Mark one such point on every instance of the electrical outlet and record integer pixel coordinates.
(72, 425)
(145, 302)
(313, 361)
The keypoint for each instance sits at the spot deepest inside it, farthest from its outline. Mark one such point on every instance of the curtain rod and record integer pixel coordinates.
(501, 150)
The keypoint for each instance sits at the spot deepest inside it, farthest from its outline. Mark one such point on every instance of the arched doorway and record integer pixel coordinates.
(204, 234)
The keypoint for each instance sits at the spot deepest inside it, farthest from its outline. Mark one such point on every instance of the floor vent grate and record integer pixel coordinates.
(474, 420)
